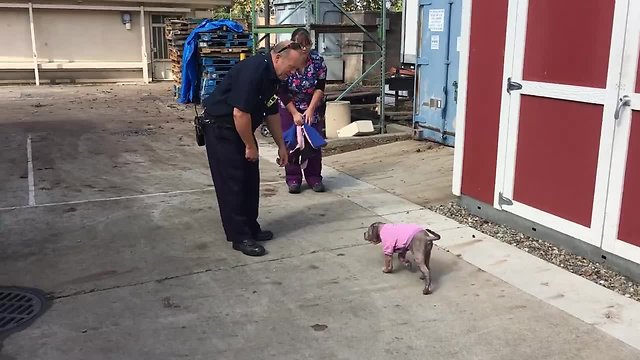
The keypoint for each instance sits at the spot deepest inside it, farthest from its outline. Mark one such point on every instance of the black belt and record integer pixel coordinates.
(207, 119)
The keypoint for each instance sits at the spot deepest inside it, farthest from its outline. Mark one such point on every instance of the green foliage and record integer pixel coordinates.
(242, 8)
(367, 5)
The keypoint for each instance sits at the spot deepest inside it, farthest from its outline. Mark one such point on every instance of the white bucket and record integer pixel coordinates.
(337, 116)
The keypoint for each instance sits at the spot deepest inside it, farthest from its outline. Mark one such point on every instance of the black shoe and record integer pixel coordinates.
(249, 247)
(318, 187)
(263, 236)
(294, 188)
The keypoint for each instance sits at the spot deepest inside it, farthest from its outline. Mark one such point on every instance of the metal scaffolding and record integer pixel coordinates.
(314, 25)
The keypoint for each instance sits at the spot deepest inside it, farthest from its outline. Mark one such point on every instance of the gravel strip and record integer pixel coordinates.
(586, 268)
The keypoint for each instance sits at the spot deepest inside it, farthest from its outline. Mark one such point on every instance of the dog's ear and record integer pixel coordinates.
(368, 235)
(373, 232)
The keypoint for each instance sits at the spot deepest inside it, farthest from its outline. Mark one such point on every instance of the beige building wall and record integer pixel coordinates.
(83, 45)
(15, 36)
(74, 45)
(81, 35)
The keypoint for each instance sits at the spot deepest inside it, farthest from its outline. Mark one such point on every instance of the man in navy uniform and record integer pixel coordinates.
(232, 113)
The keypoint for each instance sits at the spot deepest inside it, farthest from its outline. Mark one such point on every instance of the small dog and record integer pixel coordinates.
(400, 238)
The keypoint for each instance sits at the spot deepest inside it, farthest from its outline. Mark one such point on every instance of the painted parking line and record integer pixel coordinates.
(32, 187)
(115, 198)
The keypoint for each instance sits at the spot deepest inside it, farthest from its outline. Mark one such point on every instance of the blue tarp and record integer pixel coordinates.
(312, 135)
(189, 91)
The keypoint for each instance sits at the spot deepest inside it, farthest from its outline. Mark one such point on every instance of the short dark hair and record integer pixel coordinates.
(301, 34)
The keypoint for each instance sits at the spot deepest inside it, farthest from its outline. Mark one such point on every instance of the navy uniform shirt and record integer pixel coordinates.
(251, 86)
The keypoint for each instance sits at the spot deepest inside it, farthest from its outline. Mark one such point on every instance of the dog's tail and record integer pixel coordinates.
(433, 236)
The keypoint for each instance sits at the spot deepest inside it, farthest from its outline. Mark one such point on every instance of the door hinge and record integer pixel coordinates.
(502, 200)
(455, 91)
(513, 86)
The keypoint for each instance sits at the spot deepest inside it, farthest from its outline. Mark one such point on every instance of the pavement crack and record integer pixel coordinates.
(96, 290)
(198, 272)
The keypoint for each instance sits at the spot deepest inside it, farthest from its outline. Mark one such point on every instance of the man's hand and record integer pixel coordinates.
(273, 123)
(242, 121)
(283, 156)
(251, 153)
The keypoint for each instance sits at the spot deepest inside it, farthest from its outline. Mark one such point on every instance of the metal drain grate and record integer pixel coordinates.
(18, 306)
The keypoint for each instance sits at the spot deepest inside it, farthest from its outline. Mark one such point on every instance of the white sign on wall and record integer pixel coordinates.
(436, 20)
(435, 42)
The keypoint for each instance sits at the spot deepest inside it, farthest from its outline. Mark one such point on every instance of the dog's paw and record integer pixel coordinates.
(426, 291)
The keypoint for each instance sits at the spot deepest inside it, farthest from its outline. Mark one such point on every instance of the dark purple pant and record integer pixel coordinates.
(314, 163)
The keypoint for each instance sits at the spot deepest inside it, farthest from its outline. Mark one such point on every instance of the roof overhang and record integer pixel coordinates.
(183, 4)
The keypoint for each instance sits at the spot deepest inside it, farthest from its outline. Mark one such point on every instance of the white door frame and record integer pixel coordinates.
(463, 76)
(628, 81)
(165, 61)
(509, 121)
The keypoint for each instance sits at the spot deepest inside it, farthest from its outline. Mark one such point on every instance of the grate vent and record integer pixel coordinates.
(18, 306)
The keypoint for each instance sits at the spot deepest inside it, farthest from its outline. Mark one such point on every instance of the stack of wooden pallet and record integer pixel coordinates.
(176, 32)
(219, 51)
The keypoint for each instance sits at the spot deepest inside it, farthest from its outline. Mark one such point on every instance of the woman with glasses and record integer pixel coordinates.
(302, 101)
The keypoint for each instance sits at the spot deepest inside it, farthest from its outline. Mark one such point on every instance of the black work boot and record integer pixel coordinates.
(249, 247)
(263, 236)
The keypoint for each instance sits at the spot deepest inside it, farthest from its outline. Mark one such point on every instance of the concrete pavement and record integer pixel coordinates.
(150, 282)
(139, 267)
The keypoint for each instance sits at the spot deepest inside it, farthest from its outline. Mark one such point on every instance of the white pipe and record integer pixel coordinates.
(33, 46)
(145, 63)
(15, 6)
(92, 7)
(81, 65)
(163, 9)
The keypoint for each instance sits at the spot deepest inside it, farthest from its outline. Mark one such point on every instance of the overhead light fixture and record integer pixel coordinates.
(126, 20)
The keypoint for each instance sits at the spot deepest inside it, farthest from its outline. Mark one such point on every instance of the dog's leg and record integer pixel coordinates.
(388, 264)
(418, 245)
(427, 258)
(402, 256)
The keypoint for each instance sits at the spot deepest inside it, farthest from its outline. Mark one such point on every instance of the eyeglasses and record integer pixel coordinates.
(295, 46)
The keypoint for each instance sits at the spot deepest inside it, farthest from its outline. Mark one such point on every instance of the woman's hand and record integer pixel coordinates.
(308, 115)
(298, 119)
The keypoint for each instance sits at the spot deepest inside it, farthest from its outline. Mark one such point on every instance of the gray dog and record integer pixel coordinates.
(400, 238)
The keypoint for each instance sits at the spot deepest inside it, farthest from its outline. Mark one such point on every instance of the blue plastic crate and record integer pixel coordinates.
(216, 44)
(218, 60)
(209, 82)
(224, 35)
(209, 85)
(211, 75)
(216, 68)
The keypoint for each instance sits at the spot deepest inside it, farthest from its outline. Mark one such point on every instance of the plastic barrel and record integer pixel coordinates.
(337, 116)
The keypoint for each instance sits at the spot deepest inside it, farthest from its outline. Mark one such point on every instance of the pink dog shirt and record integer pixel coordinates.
(396, 237)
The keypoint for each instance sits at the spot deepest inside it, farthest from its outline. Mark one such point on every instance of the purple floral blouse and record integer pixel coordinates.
(299, 87)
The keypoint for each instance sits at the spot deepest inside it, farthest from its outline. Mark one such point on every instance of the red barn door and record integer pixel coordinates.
(562, 70)
(622, 226)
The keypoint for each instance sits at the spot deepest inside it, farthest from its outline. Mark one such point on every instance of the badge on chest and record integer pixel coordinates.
(272, 101)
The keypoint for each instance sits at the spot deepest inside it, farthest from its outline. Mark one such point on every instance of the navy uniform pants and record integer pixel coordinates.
(236, 181)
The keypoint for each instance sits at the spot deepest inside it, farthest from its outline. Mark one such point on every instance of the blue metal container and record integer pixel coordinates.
(437, 63)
